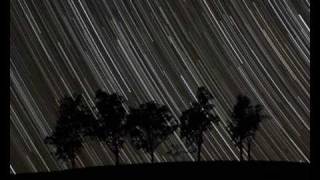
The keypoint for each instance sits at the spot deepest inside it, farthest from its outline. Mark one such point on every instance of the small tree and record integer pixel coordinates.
(197, 119)
(111, 122)
(66, 136)
(149, 125)
(245, 122)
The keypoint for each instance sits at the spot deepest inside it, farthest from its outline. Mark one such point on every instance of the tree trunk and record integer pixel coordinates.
(199, 146)
(73, 163)
(117, 156)
(249, 150)
(241, 150)
(151, 150)
(199, 152)
(152, 156)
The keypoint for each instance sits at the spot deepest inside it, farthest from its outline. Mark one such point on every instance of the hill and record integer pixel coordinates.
(180, 170)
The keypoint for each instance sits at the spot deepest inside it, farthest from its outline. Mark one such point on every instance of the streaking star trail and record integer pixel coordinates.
(160, 50)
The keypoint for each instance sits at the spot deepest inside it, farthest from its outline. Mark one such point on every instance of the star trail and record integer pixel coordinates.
(160, 50)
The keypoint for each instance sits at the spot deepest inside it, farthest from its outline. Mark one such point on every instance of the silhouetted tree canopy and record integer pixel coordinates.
(197, 119)
(66, 136)
(149, 125)
(111, 123)
(245, 122)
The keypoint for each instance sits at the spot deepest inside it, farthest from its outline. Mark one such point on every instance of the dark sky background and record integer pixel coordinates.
(160, 50)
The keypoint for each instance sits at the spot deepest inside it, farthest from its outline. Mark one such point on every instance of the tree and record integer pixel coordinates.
(245, 122)
(197, 119)
(111, 123)
(150, 125)
(67, 135)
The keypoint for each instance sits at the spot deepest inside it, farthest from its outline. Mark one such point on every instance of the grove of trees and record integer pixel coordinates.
(145, 127)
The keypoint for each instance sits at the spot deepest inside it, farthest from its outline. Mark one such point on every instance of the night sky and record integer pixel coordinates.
(160, 50)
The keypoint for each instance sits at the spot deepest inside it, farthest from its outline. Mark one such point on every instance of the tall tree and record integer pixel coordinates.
(67, 135)
(111, 122)
(245, 122)
(255, 118)
(197, 119)
(150, 125)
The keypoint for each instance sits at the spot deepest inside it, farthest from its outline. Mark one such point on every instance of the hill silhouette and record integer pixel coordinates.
(200, 170)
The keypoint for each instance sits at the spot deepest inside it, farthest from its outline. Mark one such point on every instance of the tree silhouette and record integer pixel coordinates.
(245, 122)
(197, 119)
(149, 125)
(66, 137)
(111, 123)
